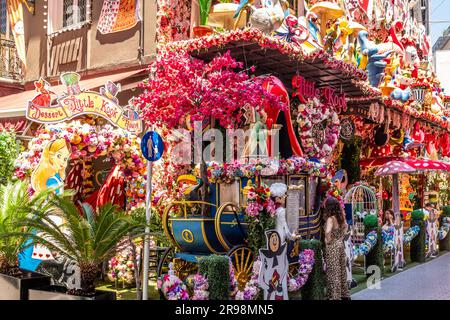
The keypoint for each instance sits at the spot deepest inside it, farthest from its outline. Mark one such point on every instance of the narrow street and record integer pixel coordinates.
(428, 281)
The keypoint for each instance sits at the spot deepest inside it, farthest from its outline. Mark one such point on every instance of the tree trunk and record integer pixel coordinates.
(137, 271)
(88, 273)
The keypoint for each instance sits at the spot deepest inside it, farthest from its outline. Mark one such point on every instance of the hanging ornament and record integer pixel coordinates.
(347, 129)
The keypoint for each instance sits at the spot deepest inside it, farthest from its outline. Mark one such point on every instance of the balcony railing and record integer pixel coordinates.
(10, 64)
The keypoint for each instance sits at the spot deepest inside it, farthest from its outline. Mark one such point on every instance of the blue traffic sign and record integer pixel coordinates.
(152, 146)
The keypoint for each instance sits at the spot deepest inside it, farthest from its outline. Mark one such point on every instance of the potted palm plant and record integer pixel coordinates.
(88, 238)
(16, 203)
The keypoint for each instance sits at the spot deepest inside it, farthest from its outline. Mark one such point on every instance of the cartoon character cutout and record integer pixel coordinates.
(399, 260)
(432, 233)
(49, 174)
(349, 256)
(51, 170)
(274, 268)
(43, 98)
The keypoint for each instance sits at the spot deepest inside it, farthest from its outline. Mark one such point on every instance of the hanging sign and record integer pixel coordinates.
(152, 146)
(308, 90)
(76, 102)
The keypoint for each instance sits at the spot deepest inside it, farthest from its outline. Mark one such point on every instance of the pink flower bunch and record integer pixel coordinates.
(258, 202)
(182, 87)
(266, 41)
(200, 288)
(121, 267)
(306, 264)
(172, 287)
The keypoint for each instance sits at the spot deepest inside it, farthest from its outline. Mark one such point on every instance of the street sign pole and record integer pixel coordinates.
(152, 148)
(148, 213)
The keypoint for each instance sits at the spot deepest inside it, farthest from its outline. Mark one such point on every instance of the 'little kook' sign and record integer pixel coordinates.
(76, 102)
(308, 90)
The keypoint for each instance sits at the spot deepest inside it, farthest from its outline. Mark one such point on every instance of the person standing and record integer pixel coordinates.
(335, 229)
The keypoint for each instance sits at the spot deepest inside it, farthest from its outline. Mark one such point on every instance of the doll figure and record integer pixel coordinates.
(278, 193)
(274, 268)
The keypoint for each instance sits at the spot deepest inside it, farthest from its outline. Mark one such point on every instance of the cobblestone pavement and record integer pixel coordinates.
(427, 281)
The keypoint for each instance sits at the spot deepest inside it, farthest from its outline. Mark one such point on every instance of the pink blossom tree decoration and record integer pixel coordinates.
(181, 86)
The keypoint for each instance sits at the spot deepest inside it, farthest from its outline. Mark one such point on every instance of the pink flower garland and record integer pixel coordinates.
(266, 41)
(229, 172)
(314, 113)
(182, 89)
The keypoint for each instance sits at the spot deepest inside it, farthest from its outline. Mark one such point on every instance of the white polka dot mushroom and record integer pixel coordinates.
(393, 167)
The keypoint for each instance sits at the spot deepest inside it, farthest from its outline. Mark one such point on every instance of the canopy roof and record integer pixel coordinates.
(418, 164)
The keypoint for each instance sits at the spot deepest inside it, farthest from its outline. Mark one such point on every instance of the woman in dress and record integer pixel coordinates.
(335, 229)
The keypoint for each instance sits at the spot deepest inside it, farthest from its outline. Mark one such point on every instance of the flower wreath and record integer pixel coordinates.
(316, 118)
(306, 264)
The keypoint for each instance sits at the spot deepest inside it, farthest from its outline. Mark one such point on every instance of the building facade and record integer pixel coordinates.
(62, 36)
(441, 58)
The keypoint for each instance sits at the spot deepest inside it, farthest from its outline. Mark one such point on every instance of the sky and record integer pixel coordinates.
(440, 11)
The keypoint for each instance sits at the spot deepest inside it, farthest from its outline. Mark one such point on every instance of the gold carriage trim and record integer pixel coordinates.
(206, 239)
(187, 235)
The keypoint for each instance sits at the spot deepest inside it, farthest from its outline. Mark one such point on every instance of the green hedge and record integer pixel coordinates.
(418, 243)
(446, 211)
(375, 256)
(314, 288)
(216, 268)
(9, 151)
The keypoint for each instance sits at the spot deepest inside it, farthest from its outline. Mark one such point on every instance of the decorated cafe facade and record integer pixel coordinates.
(349, 94)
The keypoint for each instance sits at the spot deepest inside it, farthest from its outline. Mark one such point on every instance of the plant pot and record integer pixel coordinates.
(16, 288)
(60, 293)
(202, 31)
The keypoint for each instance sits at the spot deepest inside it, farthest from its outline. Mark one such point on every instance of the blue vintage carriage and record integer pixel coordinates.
(223, 230)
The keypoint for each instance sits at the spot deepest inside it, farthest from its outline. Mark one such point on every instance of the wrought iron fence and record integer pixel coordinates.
(10, 65)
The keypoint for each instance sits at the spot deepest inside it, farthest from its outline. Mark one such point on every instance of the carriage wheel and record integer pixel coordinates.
(218, 219)
(293, 269)
(181, 268)
(242, 260)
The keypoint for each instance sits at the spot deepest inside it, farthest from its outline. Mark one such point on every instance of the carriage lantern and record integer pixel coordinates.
(245, 193)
